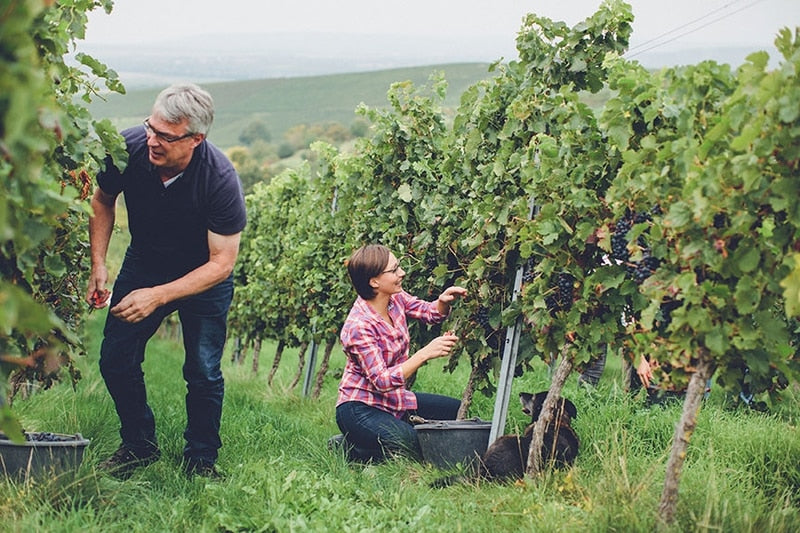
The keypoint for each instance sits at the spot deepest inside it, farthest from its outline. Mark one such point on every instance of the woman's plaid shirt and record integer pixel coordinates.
(375, 350)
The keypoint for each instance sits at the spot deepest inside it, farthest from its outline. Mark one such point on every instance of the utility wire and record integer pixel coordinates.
(686, 25)
(636, 50)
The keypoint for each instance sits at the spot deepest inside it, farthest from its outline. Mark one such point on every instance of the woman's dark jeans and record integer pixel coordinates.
(374, 435)
(203, 320)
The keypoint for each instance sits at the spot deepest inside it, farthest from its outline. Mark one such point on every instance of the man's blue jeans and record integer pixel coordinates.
(375, 434)
(203, 320)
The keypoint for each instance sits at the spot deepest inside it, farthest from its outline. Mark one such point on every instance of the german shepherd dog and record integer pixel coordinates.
(506, 459)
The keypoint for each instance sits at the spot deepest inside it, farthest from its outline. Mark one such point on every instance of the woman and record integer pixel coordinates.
(374, 403)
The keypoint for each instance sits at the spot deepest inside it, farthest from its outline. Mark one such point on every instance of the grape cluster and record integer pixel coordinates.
(664, 315)
(481, 317)
(619, 239)
(47, 437)
(561, 298)
(565, 282)
(431, 262)
(527, 271)
(643, 269)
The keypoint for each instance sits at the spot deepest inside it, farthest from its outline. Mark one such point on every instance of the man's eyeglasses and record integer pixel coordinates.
(167, 138)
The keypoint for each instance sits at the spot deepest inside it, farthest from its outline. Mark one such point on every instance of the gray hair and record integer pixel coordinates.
(186, 101)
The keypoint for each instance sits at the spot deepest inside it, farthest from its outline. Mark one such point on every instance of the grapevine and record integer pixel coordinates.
(50, 146)
(663, 224)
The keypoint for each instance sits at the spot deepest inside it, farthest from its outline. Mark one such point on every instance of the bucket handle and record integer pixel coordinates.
(416, 419)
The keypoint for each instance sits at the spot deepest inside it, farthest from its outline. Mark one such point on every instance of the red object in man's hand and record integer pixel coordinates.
(100, 298)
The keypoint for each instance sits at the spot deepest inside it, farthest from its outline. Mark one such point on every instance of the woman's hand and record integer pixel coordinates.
(449, 295)
(441, 346)
(438, 347)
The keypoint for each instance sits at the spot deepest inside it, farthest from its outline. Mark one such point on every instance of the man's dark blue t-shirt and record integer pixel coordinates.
(169, 225)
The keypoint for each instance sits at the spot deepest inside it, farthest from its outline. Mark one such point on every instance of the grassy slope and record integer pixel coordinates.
(285, 102)
(741, 473)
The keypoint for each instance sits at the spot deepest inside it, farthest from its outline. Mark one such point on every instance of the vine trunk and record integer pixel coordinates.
(535, 461)
(680, 442)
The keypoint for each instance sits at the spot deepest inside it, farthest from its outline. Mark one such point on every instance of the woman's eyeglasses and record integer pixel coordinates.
(392, 270)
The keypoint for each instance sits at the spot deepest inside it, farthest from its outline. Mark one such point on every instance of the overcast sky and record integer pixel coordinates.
(374, 34)
(746, 22)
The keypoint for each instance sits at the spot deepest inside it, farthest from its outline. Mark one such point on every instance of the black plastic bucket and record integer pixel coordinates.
(449, 443)
(36, 457)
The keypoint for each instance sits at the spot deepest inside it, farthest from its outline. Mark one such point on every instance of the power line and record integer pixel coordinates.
(673, 30)
(638, 49)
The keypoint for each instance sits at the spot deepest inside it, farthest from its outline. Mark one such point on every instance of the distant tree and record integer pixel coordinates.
(332, 132)
(286, 149)
(359, 127)
(238, 156)
(295, 138)
(301, 136)
(263, 151)
(253, 164)
(255, 131)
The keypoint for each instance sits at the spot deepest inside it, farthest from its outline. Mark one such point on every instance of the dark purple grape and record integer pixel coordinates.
(527, 271)
(619, 239)
(47, 437)
(645, 268)
(565, 283)
(642, 217)
(551, 301)
(481, 317)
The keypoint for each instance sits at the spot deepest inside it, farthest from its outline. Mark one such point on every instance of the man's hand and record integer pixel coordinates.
(99, 299)
(97, 296)
(137, 305)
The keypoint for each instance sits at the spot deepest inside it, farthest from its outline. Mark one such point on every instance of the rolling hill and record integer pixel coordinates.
(285, 102)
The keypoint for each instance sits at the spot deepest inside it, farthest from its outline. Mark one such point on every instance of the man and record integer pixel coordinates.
(186, 213)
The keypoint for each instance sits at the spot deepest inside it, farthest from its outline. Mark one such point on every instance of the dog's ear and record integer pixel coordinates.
(570, 408)
(538, 403)
(532, 403)
(526, 399)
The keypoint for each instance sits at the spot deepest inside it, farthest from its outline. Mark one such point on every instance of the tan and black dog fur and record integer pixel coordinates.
(506, 458)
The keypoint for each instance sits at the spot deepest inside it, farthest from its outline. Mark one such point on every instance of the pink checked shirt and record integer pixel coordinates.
(375, 350)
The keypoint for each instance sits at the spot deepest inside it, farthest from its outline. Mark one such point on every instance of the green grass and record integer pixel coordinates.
(285, 102)
(741, 473)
